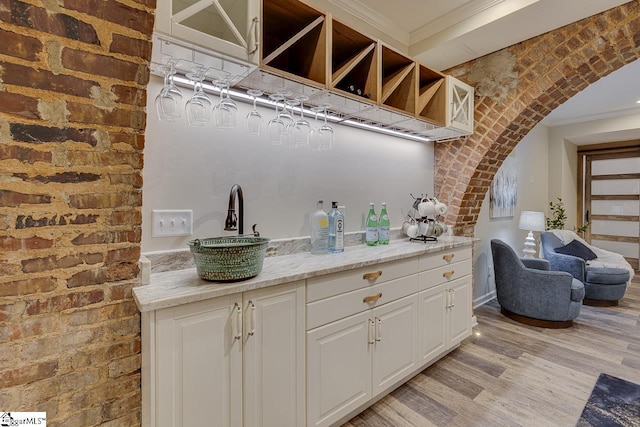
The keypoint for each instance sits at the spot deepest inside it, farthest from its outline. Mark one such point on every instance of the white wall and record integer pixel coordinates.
(194, 168)
(532, 156)
(563, 175)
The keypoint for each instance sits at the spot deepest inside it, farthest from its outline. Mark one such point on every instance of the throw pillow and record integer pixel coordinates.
(577, 249)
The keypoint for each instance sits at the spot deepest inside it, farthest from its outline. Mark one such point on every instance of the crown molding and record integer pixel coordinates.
(368, 15)
(590, 117)
(454, 17)
(463, 21)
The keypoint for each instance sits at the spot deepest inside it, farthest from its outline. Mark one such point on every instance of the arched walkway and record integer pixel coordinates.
(516, 88)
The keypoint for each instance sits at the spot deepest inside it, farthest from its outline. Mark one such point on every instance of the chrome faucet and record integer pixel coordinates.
(231, 222)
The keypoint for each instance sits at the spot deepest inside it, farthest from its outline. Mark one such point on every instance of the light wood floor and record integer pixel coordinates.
(509, 374)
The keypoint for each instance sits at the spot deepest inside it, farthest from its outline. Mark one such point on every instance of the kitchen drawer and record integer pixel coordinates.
(345, 281)
(340, 306)
(446, 257)
(446, 273)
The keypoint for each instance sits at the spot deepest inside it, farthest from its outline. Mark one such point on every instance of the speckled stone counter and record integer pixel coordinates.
(171, 288)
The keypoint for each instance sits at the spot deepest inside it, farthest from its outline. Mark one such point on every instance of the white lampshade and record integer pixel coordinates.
(531, 221)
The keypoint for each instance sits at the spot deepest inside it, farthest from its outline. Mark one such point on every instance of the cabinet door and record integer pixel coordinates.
(274, 356)
(433, 330)
(395, 352)
(459, 105)
(199, 364)
(338, 368)
(459, 310)
(228, 27)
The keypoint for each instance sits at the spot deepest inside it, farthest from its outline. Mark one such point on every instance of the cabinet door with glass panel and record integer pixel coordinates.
(230, 27)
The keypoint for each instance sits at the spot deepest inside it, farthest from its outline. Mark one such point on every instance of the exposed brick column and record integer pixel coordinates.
(516, 88)
(73, 78)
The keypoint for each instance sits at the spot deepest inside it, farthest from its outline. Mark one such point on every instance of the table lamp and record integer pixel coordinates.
(531, 221)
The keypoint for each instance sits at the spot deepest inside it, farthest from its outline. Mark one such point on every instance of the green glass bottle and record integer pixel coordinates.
(383, 226)
(371, 227)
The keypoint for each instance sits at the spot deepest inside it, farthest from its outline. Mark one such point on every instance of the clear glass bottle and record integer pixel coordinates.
(383, 226)
(371, 227)
(319, 231)
(336, 229)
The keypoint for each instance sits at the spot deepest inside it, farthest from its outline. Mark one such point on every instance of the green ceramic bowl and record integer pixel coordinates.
(229, 259)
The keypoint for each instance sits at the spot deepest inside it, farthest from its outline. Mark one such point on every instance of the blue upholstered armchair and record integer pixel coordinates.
(604, 285)
(530, 293)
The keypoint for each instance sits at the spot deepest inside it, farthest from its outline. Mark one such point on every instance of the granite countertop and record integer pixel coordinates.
(172, 288)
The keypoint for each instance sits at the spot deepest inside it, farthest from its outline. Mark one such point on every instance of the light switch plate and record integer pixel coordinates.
(169, 223)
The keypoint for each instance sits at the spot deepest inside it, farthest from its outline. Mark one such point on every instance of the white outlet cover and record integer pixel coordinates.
(171, 223)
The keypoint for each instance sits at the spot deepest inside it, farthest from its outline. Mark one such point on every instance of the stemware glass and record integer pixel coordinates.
(326, 131)
(254, 119)
(290, 133)
(302, 125)
(276, 126)
(230, 104)
(222, 115)
(169, 100)
(285, 115)
(198, 108)
(315, 137)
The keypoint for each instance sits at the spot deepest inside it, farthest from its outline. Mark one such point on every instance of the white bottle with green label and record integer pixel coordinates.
(319, 231)
(371, 227)
(383, 226)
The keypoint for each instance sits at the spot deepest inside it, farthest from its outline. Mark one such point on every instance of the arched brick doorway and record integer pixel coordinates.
(516, 88)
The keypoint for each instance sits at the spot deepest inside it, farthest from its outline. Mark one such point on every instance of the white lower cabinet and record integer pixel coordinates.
(445, 314)
(351, 360)
(229, 361)
(433, 339)
(395, 342)
(309, 353)
(338, 368)
(459, 310)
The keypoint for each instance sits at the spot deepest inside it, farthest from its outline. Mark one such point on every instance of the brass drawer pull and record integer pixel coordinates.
(372, 298)
(448, 257)
(372, 276)
(448, 274)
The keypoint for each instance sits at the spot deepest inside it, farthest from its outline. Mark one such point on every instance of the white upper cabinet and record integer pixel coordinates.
(229, 27)
(459, 105)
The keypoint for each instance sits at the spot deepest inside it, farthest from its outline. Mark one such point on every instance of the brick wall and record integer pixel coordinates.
(72, 95)
(516, 88)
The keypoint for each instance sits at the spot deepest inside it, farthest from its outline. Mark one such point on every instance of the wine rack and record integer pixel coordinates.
(354, 63)
(294, 40)
(398, 74)
(305, 51)
(431, 96)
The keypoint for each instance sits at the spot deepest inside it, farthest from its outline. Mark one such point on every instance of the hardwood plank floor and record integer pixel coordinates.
(509, 374)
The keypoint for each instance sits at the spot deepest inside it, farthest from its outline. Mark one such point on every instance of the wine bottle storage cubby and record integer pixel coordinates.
(398, 75)
(431, 96)
(354, 63)
(294, 40)
(361, 77)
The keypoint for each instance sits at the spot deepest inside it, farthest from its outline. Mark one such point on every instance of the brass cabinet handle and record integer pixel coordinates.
(372, 298)
(372, 276)
(448, 274)
(448, 257)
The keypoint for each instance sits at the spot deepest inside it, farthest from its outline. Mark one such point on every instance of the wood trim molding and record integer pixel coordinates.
(619, 146)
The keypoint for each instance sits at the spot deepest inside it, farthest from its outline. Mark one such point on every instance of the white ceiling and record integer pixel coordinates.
(445, 33)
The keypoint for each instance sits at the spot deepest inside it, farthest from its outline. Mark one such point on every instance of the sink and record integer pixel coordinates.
(229, 259)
